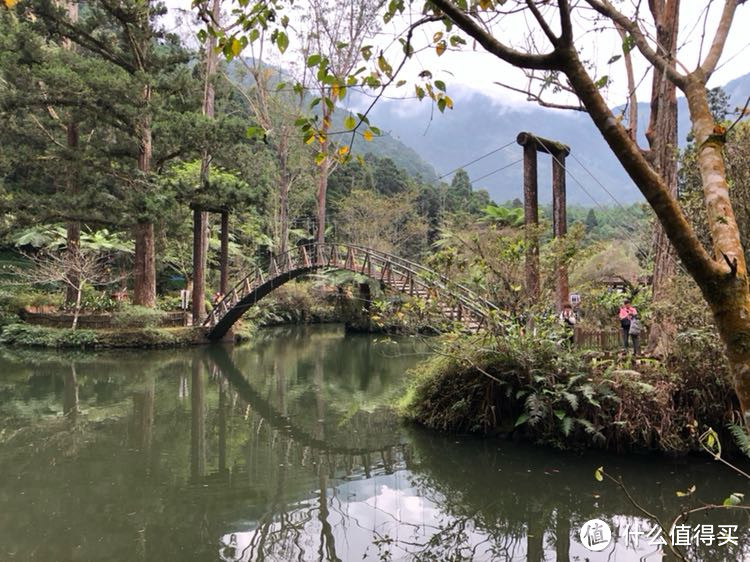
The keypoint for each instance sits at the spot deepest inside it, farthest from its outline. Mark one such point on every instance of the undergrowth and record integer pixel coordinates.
(538, 389)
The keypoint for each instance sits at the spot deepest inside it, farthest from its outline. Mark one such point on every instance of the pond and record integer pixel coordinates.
(286, 449)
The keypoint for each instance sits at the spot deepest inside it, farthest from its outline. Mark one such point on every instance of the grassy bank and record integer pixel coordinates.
(146, 337)
(536, 389)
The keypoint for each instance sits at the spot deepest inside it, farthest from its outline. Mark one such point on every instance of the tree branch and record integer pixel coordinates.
(554, 39)
(548, 61)
(689, 248)
(607, 10)
(531, 96)
(717, 46)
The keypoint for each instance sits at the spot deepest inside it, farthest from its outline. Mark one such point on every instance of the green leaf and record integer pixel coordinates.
(441, 105)
(628, 44)
(313, 60)
(602, 81)
(282, 42)
(560, 414)
(734, 499)
(384, 66)
(457, 40)
(254, 34)
(599, 474)
(614, 59)
(350, 122)
(522, 419)
(440, 85)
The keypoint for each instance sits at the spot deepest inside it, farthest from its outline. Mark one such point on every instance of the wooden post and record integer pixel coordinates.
(531, 219)
(199, 273)
(224, 260)
(531, 145)
(560, 224)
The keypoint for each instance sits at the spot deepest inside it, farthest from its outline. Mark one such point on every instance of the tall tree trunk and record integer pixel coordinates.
(285, 181)
(283, 215)
(662, 138)
(144, 282)
(200, 259)
(73, 244)
(727, 292)
(73, 230)
(320, 195)
(324, 170)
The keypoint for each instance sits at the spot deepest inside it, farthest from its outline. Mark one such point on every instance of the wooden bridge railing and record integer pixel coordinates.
(454, 300)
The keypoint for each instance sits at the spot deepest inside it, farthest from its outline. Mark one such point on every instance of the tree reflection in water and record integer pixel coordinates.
(286, 450)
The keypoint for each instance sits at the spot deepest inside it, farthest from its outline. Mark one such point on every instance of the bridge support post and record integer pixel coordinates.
(560, 225)
(224, 260)
(558, 151)
(531, 219)
(199, 270)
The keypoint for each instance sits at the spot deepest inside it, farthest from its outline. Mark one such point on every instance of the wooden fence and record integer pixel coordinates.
(603, 340)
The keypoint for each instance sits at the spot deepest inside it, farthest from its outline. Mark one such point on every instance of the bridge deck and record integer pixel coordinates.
(454, 301)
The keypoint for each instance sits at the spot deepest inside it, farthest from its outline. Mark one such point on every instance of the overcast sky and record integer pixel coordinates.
(474, 68)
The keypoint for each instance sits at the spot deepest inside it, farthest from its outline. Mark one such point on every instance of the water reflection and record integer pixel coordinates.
(286, 450)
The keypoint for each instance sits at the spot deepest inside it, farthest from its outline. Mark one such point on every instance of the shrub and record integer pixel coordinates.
(538, 389)
(40, 336)
(169, 303)
(137, 316)
(13, 299)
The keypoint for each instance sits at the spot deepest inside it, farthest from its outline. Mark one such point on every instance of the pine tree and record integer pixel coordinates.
(591, 221)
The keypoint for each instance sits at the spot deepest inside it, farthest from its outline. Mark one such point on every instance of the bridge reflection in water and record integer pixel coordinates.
(285, 450)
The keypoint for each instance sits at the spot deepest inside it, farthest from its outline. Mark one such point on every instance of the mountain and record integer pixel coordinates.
(403, 156)
(384, 145)
(479, 124)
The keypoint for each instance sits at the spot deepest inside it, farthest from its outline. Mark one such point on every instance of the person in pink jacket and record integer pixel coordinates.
(626, 314)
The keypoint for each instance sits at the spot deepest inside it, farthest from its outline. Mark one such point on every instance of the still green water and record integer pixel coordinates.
(285, 449)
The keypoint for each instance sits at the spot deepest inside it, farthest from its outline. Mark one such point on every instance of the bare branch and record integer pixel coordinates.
(554, 39)
(606, 9)
(565, 23)
(632, 98)
(531, 96)
(720, 39)
(548, 61)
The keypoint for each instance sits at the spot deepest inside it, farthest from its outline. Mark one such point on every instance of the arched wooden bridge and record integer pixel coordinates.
(454, 301)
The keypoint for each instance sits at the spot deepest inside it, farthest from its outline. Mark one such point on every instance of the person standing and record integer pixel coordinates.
(568, 319)
(634, 332)
(626, 313)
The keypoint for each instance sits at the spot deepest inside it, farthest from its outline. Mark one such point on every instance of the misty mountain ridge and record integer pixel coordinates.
(479, 124)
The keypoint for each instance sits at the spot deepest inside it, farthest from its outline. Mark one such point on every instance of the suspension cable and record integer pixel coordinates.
(491, 152)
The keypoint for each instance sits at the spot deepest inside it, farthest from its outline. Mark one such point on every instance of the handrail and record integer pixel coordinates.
(314, 255)
(431, 272)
